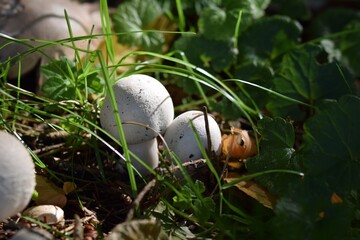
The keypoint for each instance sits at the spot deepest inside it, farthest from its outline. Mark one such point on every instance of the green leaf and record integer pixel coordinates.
(204, 209)
(297, 9)
(206, 53)
(134, 17)
(58, 75)
(226, 108)
(331, 143)
(63, 80)
(268, 38)
(58, 89)
(218, 24)
(276, 133)
(259, 74)
(324, 23)
(253, 8)
(347, 42)
(276, 152)
(301, 77)
(312, 215)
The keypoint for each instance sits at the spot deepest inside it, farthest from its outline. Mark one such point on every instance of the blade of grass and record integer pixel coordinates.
(118, 124)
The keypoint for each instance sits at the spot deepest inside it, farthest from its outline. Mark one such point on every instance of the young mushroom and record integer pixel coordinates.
(142, 100)
(180, 136)
(146, 109)
(17, 176)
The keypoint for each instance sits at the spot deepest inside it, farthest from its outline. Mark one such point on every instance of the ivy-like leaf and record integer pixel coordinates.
(312, 215)
(297, 9)
(348, 23)
(276, 152)
(331, 143)
(267, 38)
(132, 19)
(206, 53)
(259, 74)
(301, 77)
(218, 24)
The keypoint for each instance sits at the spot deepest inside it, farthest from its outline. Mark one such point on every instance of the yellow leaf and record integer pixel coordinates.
(48, 193)
(69, 187)
(335, 199)
(254, 190)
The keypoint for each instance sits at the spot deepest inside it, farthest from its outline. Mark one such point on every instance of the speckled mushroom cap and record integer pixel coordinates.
(17, 176)
(180, 137)
(141, 99)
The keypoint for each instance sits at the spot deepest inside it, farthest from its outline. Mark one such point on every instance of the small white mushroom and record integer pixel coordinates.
(49, 214)
(140, 99)
(180, 136)
(17, 176)
(147, 152)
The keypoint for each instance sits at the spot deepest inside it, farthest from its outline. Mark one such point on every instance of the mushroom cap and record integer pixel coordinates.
(147, 152)
(17, 176)
(141, 99)
(180, 137)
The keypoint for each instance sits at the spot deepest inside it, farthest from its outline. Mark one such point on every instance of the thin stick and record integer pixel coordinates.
(138, 199)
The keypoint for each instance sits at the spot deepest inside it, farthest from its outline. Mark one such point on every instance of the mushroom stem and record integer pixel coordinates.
(147, 152)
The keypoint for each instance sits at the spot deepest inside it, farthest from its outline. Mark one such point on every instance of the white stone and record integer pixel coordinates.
(49, 214)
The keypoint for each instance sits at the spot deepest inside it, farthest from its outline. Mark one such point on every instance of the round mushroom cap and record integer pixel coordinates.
(141, 99)
(17, 176)
(180, 136)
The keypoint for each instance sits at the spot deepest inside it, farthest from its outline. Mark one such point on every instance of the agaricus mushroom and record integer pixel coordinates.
(140, 99)
(180, 136)
(17, 176)
(147, 152)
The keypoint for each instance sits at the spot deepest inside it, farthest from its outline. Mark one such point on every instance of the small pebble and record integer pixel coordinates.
(48, 214)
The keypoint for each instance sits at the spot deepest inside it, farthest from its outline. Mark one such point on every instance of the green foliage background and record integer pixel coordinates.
(297, 71)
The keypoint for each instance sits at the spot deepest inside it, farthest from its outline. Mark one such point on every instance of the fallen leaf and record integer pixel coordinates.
(335, 199)
(138, 229)
(253, 190)
(69, 187)
(48, 193)
(239, 144)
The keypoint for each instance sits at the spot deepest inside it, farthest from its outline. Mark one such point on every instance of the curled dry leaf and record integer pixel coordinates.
(48, 193)
(239, 144)
(336, 199)
(253, 190)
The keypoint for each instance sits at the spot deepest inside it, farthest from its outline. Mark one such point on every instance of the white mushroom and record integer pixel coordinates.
(180, 136)
(17, 176)
(140, 99)
(45, 20)
(147, 152)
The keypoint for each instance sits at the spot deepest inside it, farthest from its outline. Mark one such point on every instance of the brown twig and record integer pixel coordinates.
(138, 199)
